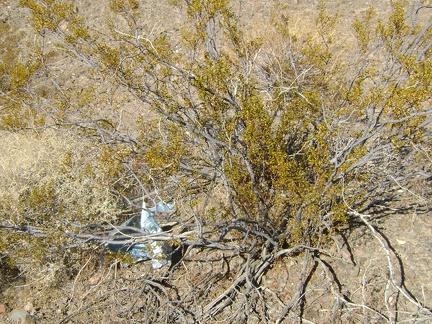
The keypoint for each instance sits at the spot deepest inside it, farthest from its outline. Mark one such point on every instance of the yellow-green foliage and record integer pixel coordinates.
(16, 72)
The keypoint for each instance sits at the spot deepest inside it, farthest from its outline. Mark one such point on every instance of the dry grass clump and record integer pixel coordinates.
(28, 159)
(50, 182)
(48, 173)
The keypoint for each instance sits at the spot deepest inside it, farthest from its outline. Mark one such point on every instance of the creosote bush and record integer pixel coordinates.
(265, 143)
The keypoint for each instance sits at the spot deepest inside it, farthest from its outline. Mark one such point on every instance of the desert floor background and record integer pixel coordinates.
(93, 293)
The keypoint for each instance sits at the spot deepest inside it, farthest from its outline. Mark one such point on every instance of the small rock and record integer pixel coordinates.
(18, 315)
(2, 308)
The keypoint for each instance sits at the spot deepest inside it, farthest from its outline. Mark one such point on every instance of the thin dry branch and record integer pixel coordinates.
(395, 269)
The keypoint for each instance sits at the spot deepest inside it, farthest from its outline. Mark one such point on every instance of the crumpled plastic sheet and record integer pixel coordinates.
(158, 252)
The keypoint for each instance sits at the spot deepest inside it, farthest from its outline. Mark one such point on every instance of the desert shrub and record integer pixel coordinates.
(296, 133)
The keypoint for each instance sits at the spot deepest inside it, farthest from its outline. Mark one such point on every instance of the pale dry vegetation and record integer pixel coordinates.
(296, 147)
